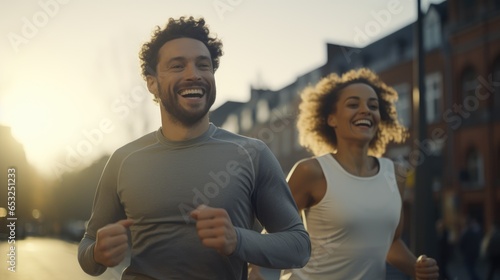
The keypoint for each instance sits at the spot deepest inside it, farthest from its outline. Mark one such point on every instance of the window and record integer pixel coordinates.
(262, 111)
(231, 123)
(274, 144)
(469, 83)
(403, 105)
(472, 175)
(286, 138)
(432, 30)
(433, 94)
(296, 139)
(402, 47)
(246, 119)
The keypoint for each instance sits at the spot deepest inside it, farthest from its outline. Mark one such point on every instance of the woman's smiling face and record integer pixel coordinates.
(356, 114)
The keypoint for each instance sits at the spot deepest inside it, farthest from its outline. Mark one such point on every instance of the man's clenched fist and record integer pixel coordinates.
(215, 229)
(112, 243)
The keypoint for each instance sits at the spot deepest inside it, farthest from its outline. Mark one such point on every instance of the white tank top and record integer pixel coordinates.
(353, 226)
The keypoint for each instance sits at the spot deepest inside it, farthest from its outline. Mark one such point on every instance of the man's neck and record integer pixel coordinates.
(176, 131)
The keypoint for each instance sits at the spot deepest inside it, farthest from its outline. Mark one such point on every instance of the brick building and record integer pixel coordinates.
(462, 87)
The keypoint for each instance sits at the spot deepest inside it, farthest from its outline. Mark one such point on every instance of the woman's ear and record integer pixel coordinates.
(332, 120)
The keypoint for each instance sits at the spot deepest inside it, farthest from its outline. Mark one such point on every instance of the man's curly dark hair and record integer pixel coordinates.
(178, 28)
(320, 100)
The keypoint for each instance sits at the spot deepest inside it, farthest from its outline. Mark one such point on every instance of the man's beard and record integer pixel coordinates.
(182, 116)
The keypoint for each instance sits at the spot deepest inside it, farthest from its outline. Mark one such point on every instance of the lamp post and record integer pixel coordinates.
(423, 218)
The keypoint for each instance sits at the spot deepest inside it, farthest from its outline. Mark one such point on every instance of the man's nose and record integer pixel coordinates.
(192, 73)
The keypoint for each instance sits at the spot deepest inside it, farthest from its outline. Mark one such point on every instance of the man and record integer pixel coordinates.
(190, 192)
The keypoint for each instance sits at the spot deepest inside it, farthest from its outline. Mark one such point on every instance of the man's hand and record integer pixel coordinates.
(112, 243)
(215, 229)
(254, 272)
(426, 268)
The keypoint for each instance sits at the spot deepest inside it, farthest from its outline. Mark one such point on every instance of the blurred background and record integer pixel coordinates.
(71, 93)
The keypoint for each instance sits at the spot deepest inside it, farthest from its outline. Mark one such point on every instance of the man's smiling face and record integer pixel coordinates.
(185, 82)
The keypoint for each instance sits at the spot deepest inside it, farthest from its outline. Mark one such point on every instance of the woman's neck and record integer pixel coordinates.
(355, 160)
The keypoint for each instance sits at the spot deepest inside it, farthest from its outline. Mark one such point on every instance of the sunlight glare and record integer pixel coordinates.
(40, 119)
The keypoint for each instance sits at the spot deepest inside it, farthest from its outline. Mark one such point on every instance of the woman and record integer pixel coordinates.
(352, 198)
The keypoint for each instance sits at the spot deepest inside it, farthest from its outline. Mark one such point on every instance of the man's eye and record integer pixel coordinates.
(352, 105)
(374, 107)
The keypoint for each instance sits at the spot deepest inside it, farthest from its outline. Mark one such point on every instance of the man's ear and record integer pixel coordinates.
(152, 84)
(332, 120)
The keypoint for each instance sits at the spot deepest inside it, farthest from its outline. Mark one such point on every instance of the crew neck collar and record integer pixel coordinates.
(183, 143)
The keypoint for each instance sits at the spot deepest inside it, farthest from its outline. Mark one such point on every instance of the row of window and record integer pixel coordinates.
(473, 89)
(433, 94)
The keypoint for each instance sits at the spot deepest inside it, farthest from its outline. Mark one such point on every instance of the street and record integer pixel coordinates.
(38, 258)
(45, 258)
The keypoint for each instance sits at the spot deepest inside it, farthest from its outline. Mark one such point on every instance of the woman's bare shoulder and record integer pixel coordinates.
(308, 168)
(307, 182)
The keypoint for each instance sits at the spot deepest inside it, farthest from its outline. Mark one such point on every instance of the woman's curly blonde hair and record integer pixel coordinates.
(320, 100)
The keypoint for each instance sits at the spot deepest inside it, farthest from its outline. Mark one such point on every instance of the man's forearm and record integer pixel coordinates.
(86, 257)
(280, 250)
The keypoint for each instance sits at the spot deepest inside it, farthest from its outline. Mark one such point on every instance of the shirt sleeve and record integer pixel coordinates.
(86, 257)
(106, 209)
(287, 243)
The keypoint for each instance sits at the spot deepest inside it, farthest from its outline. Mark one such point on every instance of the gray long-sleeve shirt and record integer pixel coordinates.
(157, 183)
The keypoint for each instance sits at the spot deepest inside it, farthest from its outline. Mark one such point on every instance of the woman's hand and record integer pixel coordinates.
(426, 268)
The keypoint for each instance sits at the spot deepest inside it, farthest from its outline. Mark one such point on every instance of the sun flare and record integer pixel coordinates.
(40, 120)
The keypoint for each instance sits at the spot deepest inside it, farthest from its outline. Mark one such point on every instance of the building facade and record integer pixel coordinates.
(461, 40)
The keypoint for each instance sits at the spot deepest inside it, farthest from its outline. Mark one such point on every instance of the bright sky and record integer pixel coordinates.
(70, 85)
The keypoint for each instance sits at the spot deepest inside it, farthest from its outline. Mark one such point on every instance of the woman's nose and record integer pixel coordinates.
(365, 109)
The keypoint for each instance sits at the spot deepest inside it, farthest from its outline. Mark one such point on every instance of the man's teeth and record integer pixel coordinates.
(191, 92)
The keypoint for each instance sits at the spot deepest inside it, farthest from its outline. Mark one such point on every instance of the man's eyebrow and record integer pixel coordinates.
(182, 58)
(177, 58)
(203, 57)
